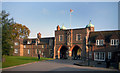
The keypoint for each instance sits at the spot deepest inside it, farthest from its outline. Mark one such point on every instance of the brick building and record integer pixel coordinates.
(70, 43)
(104, 44)
(33, 46)
(73, 43)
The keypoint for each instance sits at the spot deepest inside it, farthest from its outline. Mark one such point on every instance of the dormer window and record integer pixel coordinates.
(114, 41)
(28, 42)
(99, 42)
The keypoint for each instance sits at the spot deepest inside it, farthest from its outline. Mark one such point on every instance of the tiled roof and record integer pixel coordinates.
(42, 40)
(106, 35)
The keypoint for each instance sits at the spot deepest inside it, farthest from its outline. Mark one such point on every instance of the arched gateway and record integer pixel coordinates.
(64, 53)
(76, 52)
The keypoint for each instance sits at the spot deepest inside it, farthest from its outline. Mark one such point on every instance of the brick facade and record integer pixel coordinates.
(31, 47)
(69, 39)
(106, 48)
(70, 43)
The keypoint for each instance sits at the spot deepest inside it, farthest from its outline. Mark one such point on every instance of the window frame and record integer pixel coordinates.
(24, 46)
(60, 37)
(99, 55)
(114, 42)
(78, 38)
(28, 42)
(16, 50)
(28, 51)
(16, 43)
(99, 42)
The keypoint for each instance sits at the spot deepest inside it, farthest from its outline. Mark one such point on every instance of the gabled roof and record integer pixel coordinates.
(105, 34)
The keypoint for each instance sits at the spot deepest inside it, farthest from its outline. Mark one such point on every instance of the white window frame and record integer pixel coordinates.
(43, 46)
(60, 37)
(16, 50)
(109, 55)
(16, 43)
(39, 51)
(77, 37)
(28, 51)
(99, 56)
(28, 42)
(113, 41)
(42, 53)
(100, 42)
(24, 46)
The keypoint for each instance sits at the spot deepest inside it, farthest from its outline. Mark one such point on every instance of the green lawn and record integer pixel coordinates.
(17, 60)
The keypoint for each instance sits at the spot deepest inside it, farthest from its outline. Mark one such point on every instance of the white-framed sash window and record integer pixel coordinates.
(24, 46)
(60, 37)
(99, 56)
(43, 46)
(114, 41)
(100, 42)
(28, 42)
(16, 43)
(28, 51)
(15, 50)
(78, 37)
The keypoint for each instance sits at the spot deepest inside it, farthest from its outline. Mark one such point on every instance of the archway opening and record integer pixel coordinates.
(76, 53)
(63, 52)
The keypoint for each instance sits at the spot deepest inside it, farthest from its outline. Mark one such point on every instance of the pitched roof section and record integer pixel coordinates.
(106, 34)
(42, 40)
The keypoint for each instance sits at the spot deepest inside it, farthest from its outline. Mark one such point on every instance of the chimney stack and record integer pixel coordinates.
(39, 35)
(58, 27)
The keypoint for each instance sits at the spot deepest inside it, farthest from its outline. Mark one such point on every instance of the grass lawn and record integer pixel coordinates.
(17, 60)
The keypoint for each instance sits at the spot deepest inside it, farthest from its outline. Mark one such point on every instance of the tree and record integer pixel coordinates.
(19, 31)
(6, 32)
(11, 31)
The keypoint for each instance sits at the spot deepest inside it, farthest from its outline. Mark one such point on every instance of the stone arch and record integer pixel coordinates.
(62, 52)
(75, 51)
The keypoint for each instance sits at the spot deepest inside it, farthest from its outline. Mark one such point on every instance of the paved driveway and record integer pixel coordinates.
(56, 65)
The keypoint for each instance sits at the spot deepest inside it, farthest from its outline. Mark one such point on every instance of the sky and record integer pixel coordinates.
(44, 17)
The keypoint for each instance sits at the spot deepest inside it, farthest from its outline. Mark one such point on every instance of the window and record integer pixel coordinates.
(99, 42)
(16, 43)
(36, 51)
(24, 46)
(42, 53)
(78, 37)
(28, 42)
(28, 51)
(43, 46)
(39, 51)
(109, 55)
(114, 42)
(99, 56)
(60, 37)
(11, 46)
(15, 50)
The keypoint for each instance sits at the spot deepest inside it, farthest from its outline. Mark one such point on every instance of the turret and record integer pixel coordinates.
(90, 26)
